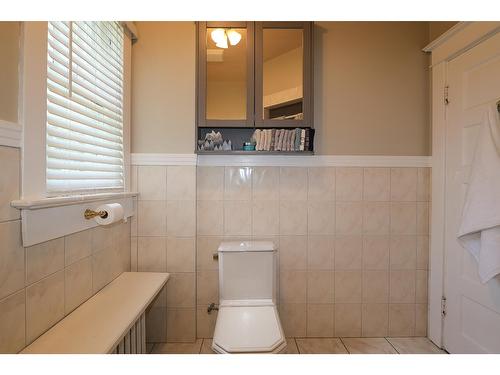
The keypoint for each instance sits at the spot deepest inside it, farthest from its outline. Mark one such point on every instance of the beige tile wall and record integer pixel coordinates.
(41, 284)
(164, 240)
(353, 249)
(353, 244)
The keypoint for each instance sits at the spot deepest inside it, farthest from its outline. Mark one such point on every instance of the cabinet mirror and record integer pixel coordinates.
(282, 73)
(226, 93)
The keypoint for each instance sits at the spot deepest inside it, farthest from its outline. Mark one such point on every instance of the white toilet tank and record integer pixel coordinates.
(247, 270)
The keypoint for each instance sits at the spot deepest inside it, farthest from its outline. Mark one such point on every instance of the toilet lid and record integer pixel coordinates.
(248, 329)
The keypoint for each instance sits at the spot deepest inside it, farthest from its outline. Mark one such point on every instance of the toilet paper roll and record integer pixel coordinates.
(115, 213)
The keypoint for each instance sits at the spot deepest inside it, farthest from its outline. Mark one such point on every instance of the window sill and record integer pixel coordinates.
(49, 218)
(34, 204)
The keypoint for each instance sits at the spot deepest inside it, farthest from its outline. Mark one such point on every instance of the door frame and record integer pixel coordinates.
(459, 39)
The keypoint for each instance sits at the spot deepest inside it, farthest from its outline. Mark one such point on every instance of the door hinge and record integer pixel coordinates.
(446, 95)
(443, 306)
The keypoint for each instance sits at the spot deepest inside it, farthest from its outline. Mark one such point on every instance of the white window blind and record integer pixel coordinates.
(84, 107)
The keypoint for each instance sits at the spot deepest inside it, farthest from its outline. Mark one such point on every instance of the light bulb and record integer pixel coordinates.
(222, 43)
(234, 37)
(218, 35)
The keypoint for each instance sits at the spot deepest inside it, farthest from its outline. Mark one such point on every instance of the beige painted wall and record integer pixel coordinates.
(9, 70)
(163, 88)
(371, 88)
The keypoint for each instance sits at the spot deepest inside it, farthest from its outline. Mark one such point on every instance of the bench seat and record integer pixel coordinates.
(103, 323)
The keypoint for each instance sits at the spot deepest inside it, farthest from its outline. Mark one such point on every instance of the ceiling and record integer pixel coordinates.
(280, 41)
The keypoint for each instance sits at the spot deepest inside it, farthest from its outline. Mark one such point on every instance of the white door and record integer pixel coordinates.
(472, 321)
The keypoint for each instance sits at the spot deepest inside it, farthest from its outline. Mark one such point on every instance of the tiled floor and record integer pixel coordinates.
(389, 345)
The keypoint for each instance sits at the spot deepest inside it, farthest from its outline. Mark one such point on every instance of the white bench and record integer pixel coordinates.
(112, 321)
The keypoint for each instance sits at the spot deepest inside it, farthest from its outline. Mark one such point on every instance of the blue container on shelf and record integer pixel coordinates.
(248, 146)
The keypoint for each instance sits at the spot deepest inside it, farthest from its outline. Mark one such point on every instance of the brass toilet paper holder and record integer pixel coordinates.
(90, 214)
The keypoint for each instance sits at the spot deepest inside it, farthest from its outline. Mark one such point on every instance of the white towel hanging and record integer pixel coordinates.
(479, 231)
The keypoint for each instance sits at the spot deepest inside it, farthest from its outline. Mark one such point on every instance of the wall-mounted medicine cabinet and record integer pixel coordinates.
(254, 75)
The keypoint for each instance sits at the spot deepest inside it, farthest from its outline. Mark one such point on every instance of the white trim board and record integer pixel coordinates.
(443, 38)
(459, 39)
(44, 224)
(314, 161)
(162, 159)
(10, 134)
(35, 204)
(282, 160)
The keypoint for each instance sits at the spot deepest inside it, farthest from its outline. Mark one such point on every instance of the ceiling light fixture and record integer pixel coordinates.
(234, 37)
(217, 35)
(222, 43)
(221, 36)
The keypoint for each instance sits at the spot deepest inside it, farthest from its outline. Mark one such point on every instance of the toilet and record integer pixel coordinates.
(248, 320)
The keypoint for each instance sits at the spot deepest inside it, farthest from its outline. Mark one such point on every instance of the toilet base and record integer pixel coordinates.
(248, 327)
(280, 349)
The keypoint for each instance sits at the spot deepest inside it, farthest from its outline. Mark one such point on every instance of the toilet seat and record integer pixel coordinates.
(247, 328)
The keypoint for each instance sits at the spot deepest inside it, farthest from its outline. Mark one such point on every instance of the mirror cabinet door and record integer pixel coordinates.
(225, 74)
(282, 74)
(282, 71)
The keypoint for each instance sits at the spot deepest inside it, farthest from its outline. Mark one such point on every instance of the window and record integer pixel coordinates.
(84, 107)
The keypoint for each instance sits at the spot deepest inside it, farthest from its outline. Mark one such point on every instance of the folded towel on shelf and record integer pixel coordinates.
(273, 140)
(269, 139)
(262, 139)
(256, 137)
(307, 140)
(302, 139)
(279, 139)
(288, 138)
(296, 146)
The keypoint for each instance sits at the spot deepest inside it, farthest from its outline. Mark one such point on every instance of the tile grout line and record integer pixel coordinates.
(297, 345)
(195, 266)
(307, 252)
(414, 328)
(345, 346)
(390, 343)
(251, 201)
(389, 268)
(10, 221)
(362, 253)
(25, 287)
(334, 247)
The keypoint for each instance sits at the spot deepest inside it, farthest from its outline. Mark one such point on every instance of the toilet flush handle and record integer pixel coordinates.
(215, 256)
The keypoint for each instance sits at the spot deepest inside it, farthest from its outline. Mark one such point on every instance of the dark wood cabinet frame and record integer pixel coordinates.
(254, 105)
